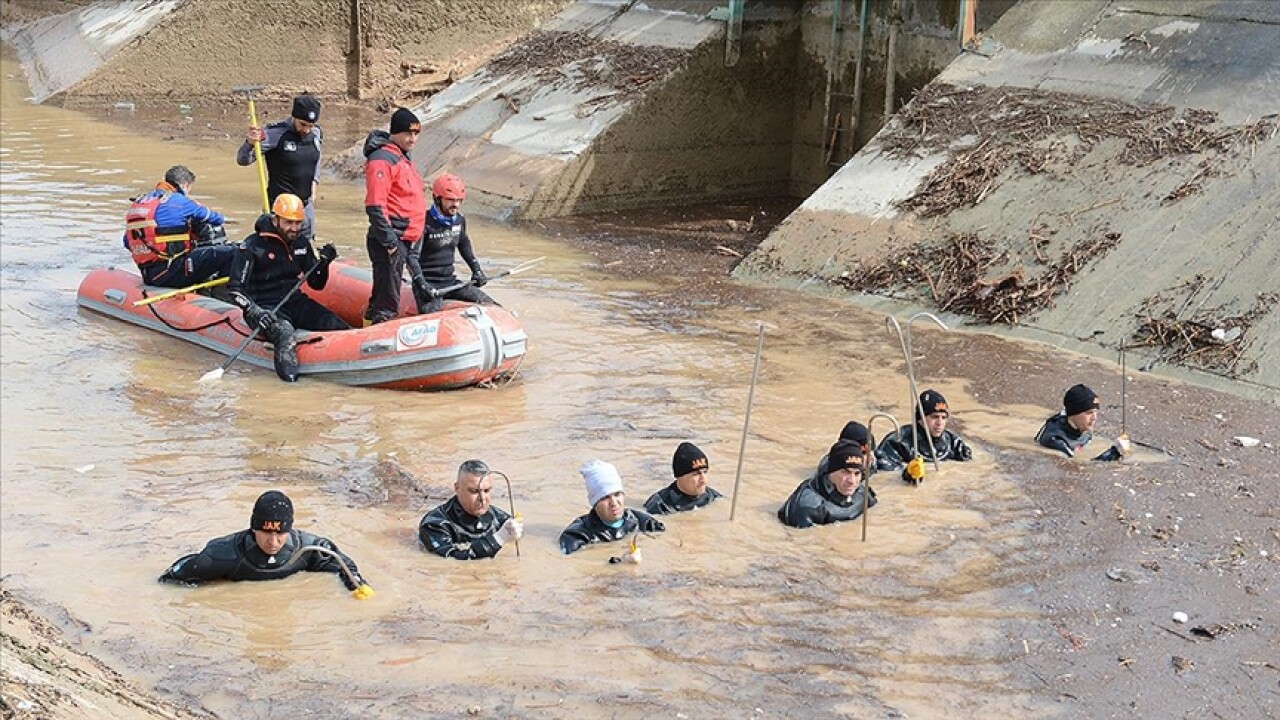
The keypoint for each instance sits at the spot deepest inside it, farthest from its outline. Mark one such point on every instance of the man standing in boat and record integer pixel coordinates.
(446, 232)
(273, 260)
(175, 240)
(396, 206)
(269, 550)
(291, 151)
(468, 527)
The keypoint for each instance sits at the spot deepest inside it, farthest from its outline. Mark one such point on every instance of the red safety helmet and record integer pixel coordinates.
(288, 207)
(449, 187)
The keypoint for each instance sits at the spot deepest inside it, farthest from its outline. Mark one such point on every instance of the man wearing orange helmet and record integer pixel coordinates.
(396, 207)
(446, 232)
(271, 262)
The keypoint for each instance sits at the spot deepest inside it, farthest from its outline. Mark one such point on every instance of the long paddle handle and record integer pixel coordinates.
(181, 291)
(257, 154)
(253, 332)
(746, 423)
(522, 267)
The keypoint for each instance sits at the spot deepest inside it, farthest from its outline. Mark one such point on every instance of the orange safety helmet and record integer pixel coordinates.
(289, 207)
(449, 187)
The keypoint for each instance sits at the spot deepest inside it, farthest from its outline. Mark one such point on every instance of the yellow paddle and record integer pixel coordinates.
(248, 91)
(190, 288)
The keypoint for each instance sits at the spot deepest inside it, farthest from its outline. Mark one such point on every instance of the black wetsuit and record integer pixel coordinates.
(1058, 434)
(450, 531)
(238, 557)
(896, 449)
(444, 235)
(591, 529)
(670, 500)
(267, 268)
(816, 502)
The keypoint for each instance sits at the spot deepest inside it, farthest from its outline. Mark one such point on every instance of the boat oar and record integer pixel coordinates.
(173, 293)
(522, 267)
(746, 423)
(511, 499)
(248, 91)
(216, 374)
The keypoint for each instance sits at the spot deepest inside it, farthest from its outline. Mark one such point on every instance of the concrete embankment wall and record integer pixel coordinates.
(154, 50)
(1179, 204)
(640, 107)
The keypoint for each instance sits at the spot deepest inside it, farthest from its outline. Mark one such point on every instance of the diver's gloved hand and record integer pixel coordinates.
(914, 471)
(632, 556)
(511, 531)
(427, 297)
(1121, 445)
(964, 452)
(364, 592)
(478, 278)
(328, 253)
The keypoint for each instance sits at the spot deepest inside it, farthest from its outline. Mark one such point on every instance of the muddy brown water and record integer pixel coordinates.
(115, 462)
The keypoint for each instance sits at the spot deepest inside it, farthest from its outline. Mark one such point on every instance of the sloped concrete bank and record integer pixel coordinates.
(1156, 225)
(146, 51)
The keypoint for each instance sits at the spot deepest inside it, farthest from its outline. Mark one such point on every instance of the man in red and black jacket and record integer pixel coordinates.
(397, 209)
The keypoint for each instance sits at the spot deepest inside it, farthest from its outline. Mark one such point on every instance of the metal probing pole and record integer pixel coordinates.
(742, 449)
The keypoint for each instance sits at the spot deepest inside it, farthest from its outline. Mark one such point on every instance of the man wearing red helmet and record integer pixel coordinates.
(446, 231)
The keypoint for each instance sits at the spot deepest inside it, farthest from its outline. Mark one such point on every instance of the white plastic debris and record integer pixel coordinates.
(84, 468)
(1180, 617)
(1246, 441)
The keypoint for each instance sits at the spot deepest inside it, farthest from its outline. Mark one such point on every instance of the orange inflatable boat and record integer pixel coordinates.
(460, 346)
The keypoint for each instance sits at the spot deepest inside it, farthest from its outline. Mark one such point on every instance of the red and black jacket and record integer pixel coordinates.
(393, 198)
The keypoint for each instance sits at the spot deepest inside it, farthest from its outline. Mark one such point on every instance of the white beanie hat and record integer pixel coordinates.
(602, 480)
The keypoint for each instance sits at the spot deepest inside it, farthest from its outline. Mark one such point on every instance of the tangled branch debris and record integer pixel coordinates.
(967, 274)
(1004, 127)
(625, 67)
(1209, 340)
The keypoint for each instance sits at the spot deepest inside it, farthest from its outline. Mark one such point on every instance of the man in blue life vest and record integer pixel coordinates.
(291, 151)
(174, 240)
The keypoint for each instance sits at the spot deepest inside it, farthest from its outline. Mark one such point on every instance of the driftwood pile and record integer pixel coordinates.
(999, 128)
(624, 67)
(967, 274)
(1209, 339)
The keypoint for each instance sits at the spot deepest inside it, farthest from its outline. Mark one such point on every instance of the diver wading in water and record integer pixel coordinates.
(270, 549)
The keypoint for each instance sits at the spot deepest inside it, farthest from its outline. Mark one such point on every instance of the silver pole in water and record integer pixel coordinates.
(746, 423)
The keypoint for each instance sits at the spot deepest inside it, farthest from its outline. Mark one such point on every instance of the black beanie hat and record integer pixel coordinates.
(403, 120)
(1079, 399)
(844, 454)
(273, 512)
(931, 401)
(856, 432)
(687, 459)
(306, 107)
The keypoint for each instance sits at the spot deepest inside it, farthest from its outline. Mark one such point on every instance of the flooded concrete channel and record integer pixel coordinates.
(115, 462)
